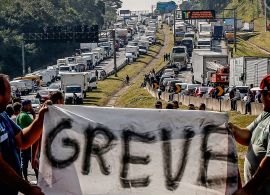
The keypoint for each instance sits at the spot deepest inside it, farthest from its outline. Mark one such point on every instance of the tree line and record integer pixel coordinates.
(19, 16)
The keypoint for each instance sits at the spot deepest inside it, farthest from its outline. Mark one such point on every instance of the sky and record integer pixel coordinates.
(134, 5)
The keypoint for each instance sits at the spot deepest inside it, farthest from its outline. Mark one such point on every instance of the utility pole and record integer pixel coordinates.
(235, 28)
(174, 19)
(23, 58)
(114, 53)
(265, 13)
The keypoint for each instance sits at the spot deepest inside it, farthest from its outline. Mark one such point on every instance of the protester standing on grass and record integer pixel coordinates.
(13, 138)
(257, 137)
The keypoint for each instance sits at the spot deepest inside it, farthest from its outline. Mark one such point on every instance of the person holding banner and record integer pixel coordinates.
(12, 139)
(257, 137)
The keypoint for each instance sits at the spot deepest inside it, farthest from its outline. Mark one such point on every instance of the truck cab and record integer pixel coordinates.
(204, 43)
(132, 52)
(179, 56)
(72, 91)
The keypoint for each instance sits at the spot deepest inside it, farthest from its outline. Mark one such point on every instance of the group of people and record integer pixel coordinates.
(28, 131)
(20, 135)
(167, 57)
(175, 105)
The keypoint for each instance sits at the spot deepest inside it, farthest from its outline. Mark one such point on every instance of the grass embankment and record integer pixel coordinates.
(107, 88)
(246, 10)
(262, 40)
(137, 97)
(246, 49)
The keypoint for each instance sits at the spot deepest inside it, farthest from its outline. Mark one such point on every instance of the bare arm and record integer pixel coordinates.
(242, 135)
(31, 134)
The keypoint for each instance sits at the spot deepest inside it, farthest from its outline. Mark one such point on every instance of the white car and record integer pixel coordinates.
(35, 104)
(54, 87)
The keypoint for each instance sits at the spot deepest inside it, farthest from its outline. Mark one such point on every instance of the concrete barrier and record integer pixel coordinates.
(210, 103)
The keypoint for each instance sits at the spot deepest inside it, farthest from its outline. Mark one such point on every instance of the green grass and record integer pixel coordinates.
(107, 88)
(262, 40)
(241, 121)
(246, 10)
(245, 49)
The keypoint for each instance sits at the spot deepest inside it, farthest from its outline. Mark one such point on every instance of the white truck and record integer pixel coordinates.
(179, 56)
(245, 71)
(100, 52)
(88, 47)
(88, 59)
(199, 63)
(61, 62)
(132, 52)
(75, 84)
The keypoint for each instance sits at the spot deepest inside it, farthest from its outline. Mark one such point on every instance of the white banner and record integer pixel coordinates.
(91, 150)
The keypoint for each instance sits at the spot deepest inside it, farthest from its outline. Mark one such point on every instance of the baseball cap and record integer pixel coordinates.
(26, 102)
(265, 83)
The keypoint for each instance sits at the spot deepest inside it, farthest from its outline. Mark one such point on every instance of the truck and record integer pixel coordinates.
(87, 47)
(179, 56)
(180, 30)
(88, 59)
(61, 62)
(200, 58)
(246, 71)
(101, 53)
(75, 84)
(121, 35)
(217, 32)
(248, 27)
(218, 74)
(132, 52)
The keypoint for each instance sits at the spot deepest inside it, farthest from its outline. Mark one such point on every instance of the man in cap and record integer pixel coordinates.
(257, 137)
(24, 120)
(12, 139)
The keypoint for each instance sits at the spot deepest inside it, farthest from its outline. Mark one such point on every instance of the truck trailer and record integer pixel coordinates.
(199, 63)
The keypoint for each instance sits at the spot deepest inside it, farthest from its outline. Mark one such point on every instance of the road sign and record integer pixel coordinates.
(166, 6)
(198, 14)
(178, 88)
(155, 86)
(220, 91)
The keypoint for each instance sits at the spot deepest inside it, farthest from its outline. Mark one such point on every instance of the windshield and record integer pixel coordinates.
(43, 93)
(183, 86)
(204, 89)
(71, 60)
(204, 43)
(73, 90)
(53, 86)
(243, 89)
(187, 42)
(35, 101)
(64, 69)
(190, 35)
(142, 47)
(179, 50)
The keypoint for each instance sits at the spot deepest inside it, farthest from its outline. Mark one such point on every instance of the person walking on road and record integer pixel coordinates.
(257, 137)
(96, 72)
(13, 138)
(24, 120)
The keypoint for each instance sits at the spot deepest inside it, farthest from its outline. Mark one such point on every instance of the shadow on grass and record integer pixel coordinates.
(92, 98)
(151, 55)
(140, 61)
(114, 78)
(153, 51)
